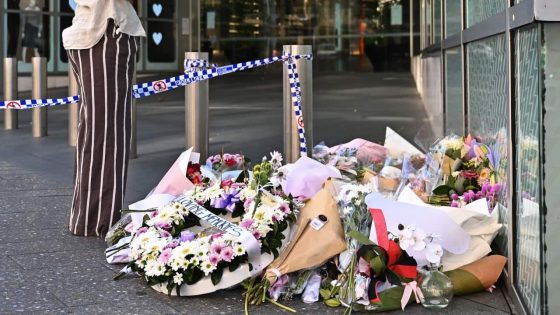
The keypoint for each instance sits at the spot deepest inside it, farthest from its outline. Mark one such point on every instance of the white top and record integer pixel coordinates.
(91, 18)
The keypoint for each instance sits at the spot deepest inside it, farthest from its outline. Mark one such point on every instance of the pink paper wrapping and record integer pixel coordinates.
(306, 177)
(175, 181)
(368, 152)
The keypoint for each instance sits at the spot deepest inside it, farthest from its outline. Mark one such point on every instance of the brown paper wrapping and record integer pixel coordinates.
(388, 184)
(310, 247)
(487, 269)
(368, 176)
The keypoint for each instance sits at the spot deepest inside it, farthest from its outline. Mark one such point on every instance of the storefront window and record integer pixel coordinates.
(27, 29)
(346, 36)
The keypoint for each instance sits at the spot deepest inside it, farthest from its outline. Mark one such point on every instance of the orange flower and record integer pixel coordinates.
(484, 175)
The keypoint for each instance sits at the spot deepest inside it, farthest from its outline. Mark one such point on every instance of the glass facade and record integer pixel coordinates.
(453, 17)
(487, 114)
(345, 35)
(454, 112)
(480, 10)
(528, 130)
(357, 35)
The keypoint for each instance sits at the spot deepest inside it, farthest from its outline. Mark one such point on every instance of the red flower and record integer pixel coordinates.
(469, 174)
(230, 162)
(193, 173)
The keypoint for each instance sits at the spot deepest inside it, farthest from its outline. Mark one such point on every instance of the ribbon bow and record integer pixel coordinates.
(409, 288)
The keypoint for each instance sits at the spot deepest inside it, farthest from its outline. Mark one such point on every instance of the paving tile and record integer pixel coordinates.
(9, 264)
(54, 245)
(20, 293)
(495, 299)
(69, 260)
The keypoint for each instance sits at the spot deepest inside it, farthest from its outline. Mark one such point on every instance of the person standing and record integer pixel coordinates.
(101, 45)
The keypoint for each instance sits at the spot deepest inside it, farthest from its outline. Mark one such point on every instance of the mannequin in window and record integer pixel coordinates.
(32, 33)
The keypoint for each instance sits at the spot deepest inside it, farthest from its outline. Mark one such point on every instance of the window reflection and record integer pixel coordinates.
(359, 35)
(28, 29)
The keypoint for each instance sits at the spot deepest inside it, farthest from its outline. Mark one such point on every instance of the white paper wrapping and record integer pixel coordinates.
(474, 219)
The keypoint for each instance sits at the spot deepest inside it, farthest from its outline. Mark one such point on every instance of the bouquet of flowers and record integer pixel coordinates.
(202, 236)
(467, 172)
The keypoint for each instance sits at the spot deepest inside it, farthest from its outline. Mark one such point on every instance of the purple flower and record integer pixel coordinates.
(454, 197)
(164, 234)
(285, 208)
(246, 223)
(454, 204)
(214, 258)
(165, 255)
(217, 247)
(495, 188)
(187, 236)
(257, 235)
(141, 230)
(227, 254)
(163, 225)
(493, 156)
(171, 245)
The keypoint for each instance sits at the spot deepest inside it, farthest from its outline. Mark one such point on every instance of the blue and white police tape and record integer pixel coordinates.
(195, 70)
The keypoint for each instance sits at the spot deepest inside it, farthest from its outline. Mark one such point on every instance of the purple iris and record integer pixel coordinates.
(471, 154)
(226, 200)
(494, 156)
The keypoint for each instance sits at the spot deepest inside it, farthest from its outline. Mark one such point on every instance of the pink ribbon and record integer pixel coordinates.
(409, 288)
(491, 288)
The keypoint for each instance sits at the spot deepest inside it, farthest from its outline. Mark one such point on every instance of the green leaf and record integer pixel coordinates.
(193, 275)
(325, 293)
(459, 185)
(234, 264)
(377, 265)
(442, 190)
(216, 275)
(360, 237)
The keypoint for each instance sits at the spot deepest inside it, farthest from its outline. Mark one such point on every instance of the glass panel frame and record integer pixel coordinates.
(528, 260)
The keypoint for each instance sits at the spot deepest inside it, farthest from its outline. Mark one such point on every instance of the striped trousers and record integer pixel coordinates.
(104, 73)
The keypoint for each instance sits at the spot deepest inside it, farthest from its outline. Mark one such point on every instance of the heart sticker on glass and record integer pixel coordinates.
(157, 8)
(157, 37)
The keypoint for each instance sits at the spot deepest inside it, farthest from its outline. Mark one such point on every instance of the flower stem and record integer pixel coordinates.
(282, 306)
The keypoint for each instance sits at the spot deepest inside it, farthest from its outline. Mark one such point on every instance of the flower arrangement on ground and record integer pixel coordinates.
(177, 246)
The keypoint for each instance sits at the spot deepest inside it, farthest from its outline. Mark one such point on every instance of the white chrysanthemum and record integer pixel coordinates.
(207, 267)
(154, 268)
(156, 246)
(175, 264)
(238, 250)
(247, 193)
(213, 192)
(178, 279)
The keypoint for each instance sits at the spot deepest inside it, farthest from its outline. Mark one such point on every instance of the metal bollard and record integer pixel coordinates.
(196, 112)
(305, 72)
(72, 108)
(133, 124)
(10, 92)
(39, 116)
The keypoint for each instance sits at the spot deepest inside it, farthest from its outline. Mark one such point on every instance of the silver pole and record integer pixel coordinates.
(72, 108)
(10, 92)
(305, 71)
(196, 111)
(133, 124)
(39, 116)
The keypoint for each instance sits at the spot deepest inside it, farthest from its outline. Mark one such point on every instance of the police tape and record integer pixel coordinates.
(195, 70)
